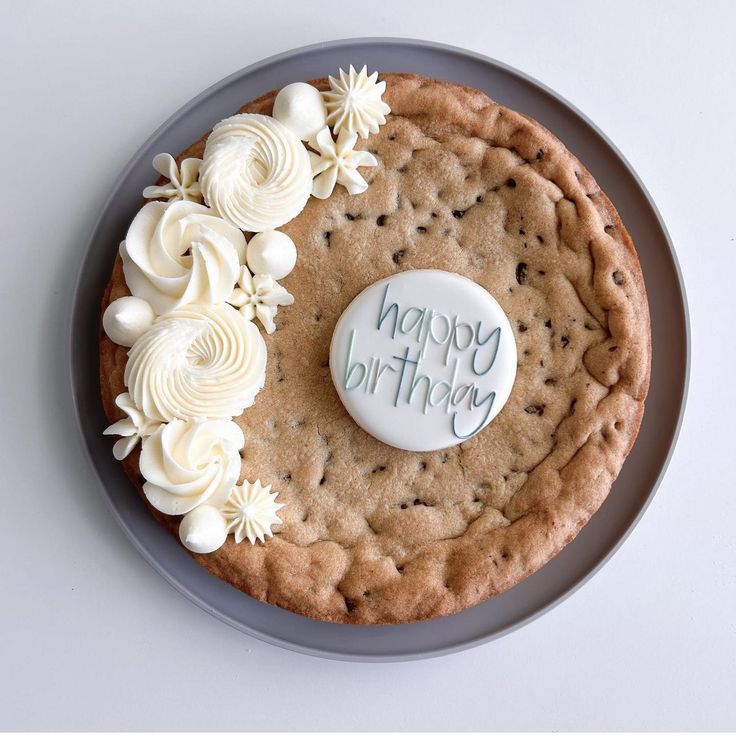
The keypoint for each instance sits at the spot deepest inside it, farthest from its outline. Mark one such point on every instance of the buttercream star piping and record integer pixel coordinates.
(197, 358)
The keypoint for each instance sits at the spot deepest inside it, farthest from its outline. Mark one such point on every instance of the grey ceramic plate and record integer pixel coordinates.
(633, 489)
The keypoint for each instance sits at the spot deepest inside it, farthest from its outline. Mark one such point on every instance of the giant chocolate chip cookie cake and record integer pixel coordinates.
(376, 350)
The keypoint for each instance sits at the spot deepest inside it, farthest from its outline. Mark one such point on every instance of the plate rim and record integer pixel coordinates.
(74, 321)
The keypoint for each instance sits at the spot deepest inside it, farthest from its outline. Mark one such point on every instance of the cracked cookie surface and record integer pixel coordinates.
(373, 534)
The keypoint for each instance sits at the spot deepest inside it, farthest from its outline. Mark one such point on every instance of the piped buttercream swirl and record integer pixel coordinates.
(255, 172)
(181, 253)
(198, 360)
(188, 463)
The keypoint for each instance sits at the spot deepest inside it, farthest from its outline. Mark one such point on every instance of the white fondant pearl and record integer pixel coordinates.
(126, 319)
(423, 360)
(203, 529)
(271, 252)
(300, 108)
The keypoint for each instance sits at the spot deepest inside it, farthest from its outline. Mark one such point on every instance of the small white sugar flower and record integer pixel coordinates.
(259, 296)
(354, 102)
(337, 163)
(182, 184)
(134, 427)
(250, 512)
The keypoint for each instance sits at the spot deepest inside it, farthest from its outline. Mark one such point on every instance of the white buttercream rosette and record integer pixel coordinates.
(188, 463)
(255, 172)
(181, 253)
(198, 360)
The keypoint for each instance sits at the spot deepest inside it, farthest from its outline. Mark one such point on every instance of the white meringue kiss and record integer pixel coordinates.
(301, 109)
(126, 319)
(271, 252)
(255, 172)
(203, 529)
(180, 253)
(198, 360)
(186, 464)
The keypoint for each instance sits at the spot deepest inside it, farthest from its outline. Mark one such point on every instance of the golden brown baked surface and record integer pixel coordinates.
(374, 534)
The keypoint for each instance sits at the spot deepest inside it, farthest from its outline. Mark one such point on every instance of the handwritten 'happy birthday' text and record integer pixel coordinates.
(439, 336)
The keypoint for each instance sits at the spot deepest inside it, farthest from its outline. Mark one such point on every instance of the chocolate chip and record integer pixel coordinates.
(540, 238)
(537, 409)
(458, 214)
(564, 341)
(381, 220)
(521, 273)
(548, 323)
(511, 183)
(421, 229)
(350, 217)
(397, 256)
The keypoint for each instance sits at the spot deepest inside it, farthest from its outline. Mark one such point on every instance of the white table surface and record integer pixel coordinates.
(92, 638)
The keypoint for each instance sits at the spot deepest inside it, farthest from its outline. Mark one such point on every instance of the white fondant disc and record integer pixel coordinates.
(423, 360)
